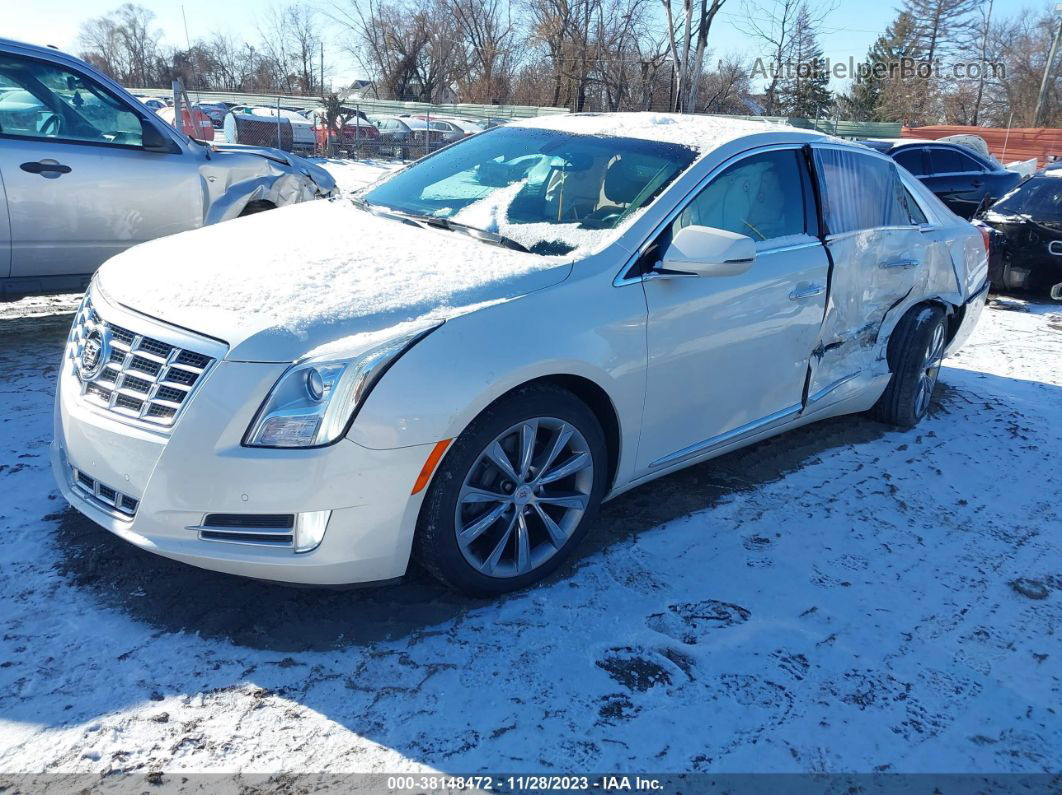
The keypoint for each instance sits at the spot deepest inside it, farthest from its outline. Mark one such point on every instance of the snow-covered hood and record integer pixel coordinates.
(279, 284)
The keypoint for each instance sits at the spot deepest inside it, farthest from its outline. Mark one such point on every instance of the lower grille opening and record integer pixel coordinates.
(269, 529)
(279, 539)
(251, 520)
(113, 501)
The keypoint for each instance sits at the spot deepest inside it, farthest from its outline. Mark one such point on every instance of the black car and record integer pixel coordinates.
(959, 176)
(1026, 250)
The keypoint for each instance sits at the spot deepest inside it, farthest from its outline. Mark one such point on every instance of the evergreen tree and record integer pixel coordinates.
(878, 85)
(803, 89)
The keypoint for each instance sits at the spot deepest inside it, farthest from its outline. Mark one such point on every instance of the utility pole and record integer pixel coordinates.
(1041, 101)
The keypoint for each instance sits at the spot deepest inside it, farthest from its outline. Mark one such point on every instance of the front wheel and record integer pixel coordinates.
(916, 351)
(514, 494)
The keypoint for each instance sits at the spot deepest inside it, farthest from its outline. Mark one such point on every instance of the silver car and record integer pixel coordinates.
(87, 171)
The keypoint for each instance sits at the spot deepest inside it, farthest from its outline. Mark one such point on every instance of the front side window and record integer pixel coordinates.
(859, 191)
(761, 197)
(551, 192)
(950, 161)
(42, 100)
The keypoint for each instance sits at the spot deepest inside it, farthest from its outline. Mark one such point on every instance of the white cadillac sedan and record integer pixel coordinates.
(463, 362)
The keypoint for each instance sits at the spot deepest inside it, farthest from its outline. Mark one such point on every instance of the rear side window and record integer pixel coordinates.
(761, 196)
(860, 191)
(950, 161)
(911, 159)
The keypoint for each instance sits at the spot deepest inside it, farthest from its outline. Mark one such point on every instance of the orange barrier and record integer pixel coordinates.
(1017, 143)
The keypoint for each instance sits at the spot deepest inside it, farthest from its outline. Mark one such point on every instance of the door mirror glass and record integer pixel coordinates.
(705, 251)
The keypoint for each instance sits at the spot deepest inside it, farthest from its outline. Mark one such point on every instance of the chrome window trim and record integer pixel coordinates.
(622, 278)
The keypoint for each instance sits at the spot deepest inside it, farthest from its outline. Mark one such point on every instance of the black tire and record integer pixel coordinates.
(255, 207)
(436, 545)
(915, 363)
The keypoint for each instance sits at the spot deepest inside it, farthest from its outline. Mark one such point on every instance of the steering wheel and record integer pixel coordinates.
(50, 126)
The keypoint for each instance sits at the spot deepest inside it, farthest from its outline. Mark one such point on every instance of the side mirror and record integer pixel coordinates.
(151, 140)
(706, 251)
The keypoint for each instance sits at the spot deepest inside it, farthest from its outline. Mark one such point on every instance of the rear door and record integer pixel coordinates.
(5, 233)
(80, 187)
(878, 257)
(956, 177)
(728, 354)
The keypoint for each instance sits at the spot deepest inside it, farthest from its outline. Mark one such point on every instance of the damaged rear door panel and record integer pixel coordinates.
(881, 263)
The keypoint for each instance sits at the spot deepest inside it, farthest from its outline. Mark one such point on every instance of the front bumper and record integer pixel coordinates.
(201, 468)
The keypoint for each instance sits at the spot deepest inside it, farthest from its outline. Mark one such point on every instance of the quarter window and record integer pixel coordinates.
(42, 100)
(911, 159)
(950, 161)
(761, 196)
(860, 191)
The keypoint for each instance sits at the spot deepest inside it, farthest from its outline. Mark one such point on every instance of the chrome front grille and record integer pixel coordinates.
(111, 500)
(141, 378)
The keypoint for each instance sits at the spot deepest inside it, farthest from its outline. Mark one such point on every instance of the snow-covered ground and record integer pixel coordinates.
(844, 598)
(352, 175)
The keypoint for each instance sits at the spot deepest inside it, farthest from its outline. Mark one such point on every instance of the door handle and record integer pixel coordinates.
(45, 167)
(806, 291)
(901, 263)
(977, 183)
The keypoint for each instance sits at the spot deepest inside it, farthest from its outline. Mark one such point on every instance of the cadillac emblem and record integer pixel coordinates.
(94, 354)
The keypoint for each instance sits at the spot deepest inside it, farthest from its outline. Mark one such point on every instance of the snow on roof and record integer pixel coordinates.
(703, 133)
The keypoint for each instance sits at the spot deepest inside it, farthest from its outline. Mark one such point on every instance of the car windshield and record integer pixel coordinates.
(1040, 198)
(550, 192)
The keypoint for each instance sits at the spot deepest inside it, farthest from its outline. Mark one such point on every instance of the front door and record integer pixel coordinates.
(728, 353)
(80, 188)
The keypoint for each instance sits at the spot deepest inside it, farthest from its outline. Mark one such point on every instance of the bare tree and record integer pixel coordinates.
(775, 25)
(489, 36)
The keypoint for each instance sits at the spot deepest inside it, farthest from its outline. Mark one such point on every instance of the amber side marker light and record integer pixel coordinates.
(434, 457)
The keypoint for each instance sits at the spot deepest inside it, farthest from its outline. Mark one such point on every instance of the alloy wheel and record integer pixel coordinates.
(930, 370)
(524, 497)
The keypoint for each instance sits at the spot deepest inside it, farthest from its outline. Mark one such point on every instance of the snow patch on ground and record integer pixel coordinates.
(353, 175)
(842, 598)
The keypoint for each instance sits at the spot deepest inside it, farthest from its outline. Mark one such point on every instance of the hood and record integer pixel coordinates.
(278, 284)
(324, 180)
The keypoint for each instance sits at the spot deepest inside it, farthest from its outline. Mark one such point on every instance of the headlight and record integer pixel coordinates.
(314, 401)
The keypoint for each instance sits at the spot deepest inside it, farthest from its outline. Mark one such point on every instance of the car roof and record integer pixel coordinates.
(700, 132)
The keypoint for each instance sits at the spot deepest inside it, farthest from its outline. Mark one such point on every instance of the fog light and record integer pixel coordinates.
(310, 529)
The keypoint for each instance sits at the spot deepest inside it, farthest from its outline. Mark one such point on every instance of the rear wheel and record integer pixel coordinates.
(916, 350)
(515, 493)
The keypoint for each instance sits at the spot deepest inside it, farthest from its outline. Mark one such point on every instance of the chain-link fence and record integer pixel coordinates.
(355, 128)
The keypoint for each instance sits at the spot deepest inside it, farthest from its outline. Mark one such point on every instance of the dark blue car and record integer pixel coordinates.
(959, 176)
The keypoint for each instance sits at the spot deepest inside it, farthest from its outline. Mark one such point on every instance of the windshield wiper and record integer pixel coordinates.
(441, 223)
(380, 212)
(473, 231)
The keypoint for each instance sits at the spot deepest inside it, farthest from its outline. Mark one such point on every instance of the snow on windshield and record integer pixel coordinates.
(553, 192)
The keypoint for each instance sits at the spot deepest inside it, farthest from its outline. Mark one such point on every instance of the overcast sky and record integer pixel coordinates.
(853, 26)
